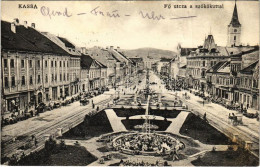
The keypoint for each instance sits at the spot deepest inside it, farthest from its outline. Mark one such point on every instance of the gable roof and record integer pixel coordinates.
(61, 43)
(27, 39)
(216, 67)
(86, 61)
(67, 42)
(250, 69)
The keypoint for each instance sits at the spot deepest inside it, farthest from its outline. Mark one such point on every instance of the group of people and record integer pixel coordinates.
(149, 143)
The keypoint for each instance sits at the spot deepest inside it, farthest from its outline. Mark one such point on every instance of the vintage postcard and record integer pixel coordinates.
(130, 83)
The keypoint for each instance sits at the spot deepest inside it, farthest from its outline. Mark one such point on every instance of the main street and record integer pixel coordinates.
(17, 135)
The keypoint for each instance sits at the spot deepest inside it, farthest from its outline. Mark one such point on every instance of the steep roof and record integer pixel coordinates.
(234, 21)
(27, 39)
(62, 43)
(209, 42)
(67, 42)
(216, 67)
(250, 69)
(186, 51)
(86, 61)
(101, 55)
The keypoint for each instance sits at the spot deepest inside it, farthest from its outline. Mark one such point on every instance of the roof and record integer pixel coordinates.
(86, 61)
(67, 42)
(102, 55)
(209, 42)
(250, 69)
(234, 21)
(100, 64)
(136, 59)
(163, 59)
(27, 39)
(61, 43)
(216, 67)
(184, 67)
(186, 51)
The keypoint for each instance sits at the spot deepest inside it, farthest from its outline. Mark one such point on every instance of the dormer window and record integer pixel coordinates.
(235, 30)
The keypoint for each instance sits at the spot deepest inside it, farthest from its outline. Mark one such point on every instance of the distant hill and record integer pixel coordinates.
(152, 52)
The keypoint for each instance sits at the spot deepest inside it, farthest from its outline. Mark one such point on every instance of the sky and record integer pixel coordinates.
(131, 30)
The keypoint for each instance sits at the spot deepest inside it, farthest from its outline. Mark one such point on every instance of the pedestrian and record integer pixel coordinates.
(93, 105)
(97, 108)
(203, 102)
(33, 137)
(35, 142)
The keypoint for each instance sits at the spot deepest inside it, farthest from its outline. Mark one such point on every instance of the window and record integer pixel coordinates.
(46, 63)
(235, 30)
(12, 63)
(22, 63)
(13, 81)
(46, 78)
(60, 77)
(60, 63)
(55, 63)
(67, 77)
(23, 80)
(235, 37)
(51, 63)
(39, 63)
(55, 77)
(6, 82)
(30, 63)
(39, 79)
(64, 77)
(31, 80)
(67, 63)
(203, 63)
(64, 64)
(5, 63)
(52, 77)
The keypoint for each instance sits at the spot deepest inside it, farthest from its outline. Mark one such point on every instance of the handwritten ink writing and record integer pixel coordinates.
(45, 11)
(97, 12)
(151, 16)
(183, 17)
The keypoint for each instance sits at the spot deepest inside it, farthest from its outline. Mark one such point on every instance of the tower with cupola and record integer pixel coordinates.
(234, 30)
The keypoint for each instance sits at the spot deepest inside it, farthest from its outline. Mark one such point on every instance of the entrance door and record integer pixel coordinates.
(39, 97)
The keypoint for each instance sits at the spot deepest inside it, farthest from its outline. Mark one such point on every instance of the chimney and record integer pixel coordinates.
(16, 21)
(13, 27)
(33, 25)
(83, 50)
(111, 47)
(25, 24)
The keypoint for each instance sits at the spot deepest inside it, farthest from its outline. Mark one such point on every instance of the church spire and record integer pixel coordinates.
(234, 21)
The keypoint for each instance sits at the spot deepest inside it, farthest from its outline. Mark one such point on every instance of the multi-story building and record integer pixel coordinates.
(73, 75)
(248, 87)
(31, 66)
(225, 81)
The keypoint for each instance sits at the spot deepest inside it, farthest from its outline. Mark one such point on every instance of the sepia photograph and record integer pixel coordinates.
(130, 83)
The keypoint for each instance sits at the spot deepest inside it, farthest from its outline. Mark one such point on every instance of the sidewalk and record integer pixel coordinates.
(217, 116)
(45, 119)
(115, 121)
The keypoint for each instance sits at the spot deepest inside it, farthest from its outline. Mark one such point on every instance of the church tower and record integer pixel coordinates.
(234, 30)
